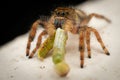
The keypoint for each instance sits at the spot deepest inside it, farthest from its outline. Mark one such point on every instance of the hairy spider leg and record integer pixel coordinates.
(98, 16)
(87, 35)
(81, 47)
(38, 43)
(32, 35)
(99, 40)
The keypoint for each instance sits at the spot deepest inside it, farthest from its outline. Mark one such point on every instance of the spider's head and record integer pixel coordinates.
(62, 11)
(61, 14)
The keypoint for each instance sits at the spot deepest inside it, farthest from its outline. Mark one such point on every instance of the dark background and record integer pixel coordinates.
(18, 16)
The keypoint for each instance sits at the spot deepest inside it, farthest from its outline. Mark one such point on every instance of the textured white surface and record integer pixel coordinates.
(14, 65)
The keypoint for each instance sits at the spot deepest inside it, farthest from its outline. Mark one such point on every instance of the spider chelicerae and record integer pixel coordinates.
(74, 21)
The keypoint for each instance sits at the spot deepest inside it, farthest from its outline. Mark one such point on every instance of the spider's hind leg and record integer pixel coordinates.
(99, 16)
(100, 40)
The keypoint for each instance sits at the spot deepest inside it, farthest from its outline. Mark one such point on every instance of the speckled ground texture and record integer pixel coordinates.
(14, 65)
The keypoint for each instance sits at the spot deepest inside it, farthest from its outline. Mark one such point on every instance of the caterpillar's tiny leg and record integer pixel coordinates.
(100, 41)
(38, 43)
(81, 48)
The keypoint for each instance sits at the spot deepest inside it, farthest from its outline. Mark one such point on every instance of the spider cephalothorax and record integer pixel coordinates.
(61, 15)
(72, 20)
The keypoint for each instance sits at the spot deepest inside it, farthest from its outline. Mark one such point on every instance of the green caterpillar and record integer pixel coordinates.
(59, 52)
(57, 42)
(46, 47)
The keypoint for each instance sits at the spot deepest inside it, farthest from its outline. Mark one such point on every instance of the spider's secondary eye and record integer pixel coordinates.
(67, 13)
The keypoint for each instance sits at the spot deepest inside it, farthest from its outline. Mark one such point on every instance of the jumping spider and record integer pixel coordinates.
(74, 21)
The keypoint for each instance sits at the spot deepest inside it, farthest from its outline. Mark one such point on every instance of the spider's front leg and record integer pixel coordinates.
(81, 47)
(32, 35)
(87, 35)
(99, 40)
(38, 43)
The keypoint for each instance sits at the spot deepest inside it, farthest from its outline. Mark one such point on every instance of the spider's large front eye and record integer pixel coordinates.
(58, 13)
(62, 13)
